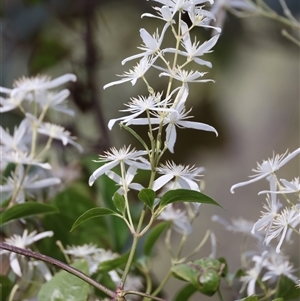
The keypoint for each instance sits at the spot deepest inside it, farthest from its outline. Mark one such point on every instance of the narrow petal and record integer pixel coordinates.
(198, 126)
(288, 158)
(247, 182)
(101, 170)
(161, 181)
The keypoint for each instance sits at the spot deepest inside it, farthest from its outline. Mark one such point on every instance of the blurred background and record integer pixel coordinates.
(254, 103)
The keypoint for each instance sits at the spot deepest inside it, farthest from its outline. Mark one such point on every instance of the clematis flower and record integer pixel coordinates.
(277, 265)
(58, 132)
(193, 50)
(25, 85)
(249, 280)
(180, 221)
(19, 157)
(125, 183)
(164, 14)
(289, 187)
(56, 101)
(151, 44)
(133, 75)
(17, 141)
(139, 105)
(184, 76)
(175, 118)
(288, 217)
(116, 157)
(185, 176)
(267, 217)
(268, 168)
(22, 242)
(26, 185)
(181, 5)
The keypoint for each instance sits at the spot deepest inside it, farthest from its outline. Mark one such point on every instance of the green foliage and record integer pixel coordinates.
(185, 195)
(154, 235)
(25, 210)
(119, 202)
(92, 213)
(47, 53)
(251, 298)
(105, 189)
(287, 289)
(117, 263)
(64, 286)
(147, 196)
(71, 203)
(204, 274)
(185, 293)
(5, 287)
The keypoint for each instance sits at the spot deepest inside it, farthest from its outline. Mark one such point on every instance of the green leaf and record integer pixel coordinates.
(185, 293)
(113, 264)
(119, 202)
(186, 195)
(5, 287)
(64, 286)
(278, 299)
(153, 236)
(25, 210)
(92, 213)
(203, 274)
(147, 196)
(287, 289)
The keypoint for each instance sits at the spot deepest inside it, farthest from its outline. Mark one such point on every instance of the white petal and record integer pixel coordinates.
(161, 181)
(101, 170)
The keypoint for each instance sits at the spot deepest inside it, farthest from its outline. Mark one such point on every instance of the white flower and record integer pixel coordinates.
(249, 280)
(58, 132)
(277, 265)
(193, 51)
(151, 44)
(19, 157)
(82, 251)
(133, 75)
(181, 5)
(239, 225)
(24, 185)
(18, 140)
(139, 105)
(185, 176)
(268, 168)
(201, 17)
(289, 187)
(55, 101)
(116, 157)
(125, 183)
(287, 217)
(164, 14)
(22, 242)
(180, 221)
(39, 83)
(175, 118)
(10, 103)
(220, 6)
(266, 220)
(184, 76)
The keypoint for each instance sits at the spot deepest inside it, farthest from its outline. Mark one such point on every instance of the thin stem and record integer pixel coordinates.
(290, 37)
(220, 295)
(13, 292)
(162, 284)
(59, 264)
(136, 238)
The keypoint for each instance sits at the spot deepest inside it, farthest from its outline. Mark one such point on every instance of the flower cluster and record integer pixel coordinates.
(163, 112)
(33, 97)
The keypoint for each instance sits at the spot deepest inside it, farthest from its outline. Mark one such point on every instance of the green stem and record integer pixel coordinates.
(162, 284)
(59, 264)
(220, 295)
(136, 238)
